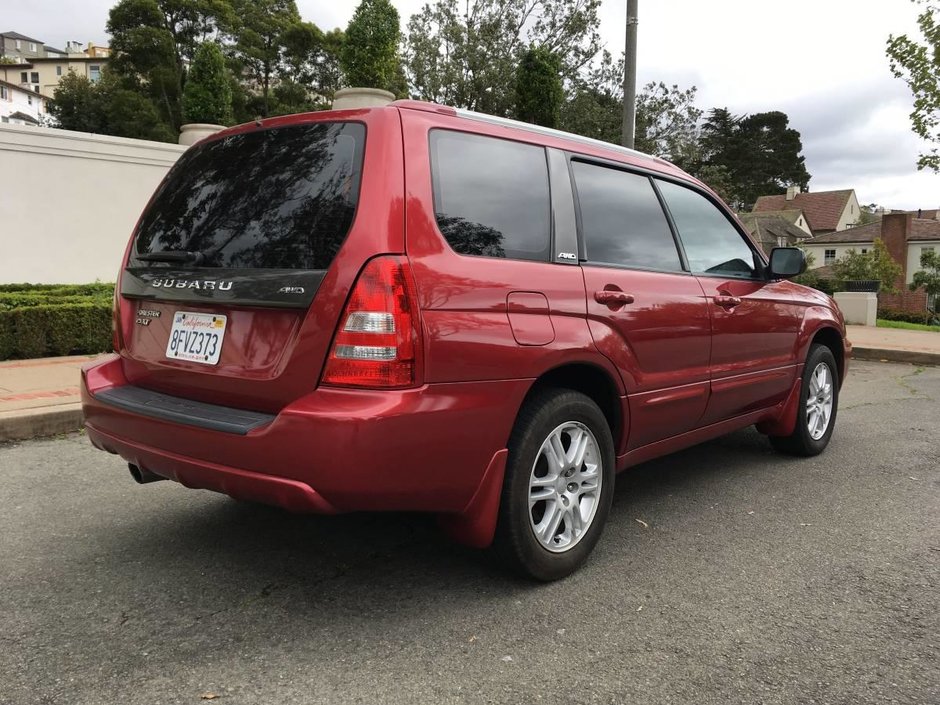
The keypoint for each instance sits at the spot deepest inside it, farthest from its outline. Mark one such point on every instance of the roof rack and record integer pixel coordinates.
(549, 132)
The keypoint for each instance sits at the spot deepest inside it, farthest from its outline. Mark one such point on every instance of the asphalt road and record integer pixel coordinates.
(727, 574)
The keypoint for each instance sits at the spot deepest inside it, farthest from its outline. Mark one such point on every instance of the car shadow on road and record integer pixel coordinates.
(251, 543)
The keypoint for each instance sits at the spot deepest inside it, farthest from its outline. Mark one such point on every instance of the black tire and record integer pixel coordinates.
(801, 441)
(565, 414)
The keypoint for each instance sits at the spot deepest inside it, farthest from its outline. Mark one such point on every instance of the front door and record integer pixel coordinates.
(755, 322)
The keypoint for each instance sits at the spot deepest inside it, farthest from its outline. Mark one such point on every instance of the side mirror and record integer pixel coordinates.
(786, 262)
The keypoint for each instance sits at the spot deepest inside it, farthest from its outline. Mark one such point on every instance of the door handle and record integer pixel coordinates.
(726, 301)
(612, 298)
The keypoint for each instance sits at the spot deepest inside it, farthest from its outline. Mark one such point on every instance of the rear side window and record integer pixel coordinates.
(282, 198)
(491, 196)
(712, 244)
(622, 221)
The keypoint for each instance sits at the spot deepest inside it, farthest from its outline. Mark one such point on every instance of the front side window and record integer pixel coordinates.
(34, 77)
(24, 77)
(58, 70)
(622, 221)
(712, 244)
(281, 198)
(3, 93)
(830, 257)
(491, 195)
(94, 73)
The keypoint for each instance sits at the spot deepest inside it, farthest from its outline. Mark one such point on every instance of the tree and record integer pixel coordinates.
(594, 104)
(107, 108)
(760, 153)
(667, 119)
(929, 274)
(539, 93)
(667, 122)
(152, 42)
(208, 94)
(466, 55)
(918, 65)
(876, 265)
(370, 54)
(260, 31)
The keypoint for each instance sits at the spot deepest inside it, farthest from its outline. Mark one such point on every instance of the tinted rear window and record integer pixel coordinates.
(280, 198)
(491, 196)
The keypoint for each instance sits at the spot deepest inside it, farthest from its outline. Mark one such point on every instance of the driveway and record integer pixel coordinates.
(727, 574)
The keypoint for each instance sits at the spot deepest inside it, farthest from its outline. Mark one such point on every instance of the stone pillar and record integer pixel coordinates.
(860, 308)
(353, 98)
(192, 132)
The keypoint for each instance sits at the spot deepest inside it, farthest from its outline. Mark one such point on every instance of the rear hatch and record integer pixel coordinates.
(231, 292)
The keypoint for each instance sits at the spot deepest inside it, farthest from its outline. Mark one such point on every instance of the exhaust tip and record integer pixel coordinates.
(141, 476)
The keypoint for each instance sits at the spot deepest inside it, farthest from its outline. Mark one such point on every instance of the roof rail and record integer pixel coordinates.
(549, 132)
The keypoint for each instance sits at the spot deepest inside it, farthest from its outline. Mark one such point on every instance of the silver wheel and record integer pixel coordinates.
(819, 401)
(564, 486)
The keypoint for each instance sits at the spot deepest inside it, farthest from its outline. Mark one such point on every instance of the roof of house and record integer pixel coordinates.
(921, 229)
(791, 216)
(768, 229)
(928, 213)
(22, 90)
(822, 209)
(21, 37)
(68, 57)
(24, 116)
(48, 48)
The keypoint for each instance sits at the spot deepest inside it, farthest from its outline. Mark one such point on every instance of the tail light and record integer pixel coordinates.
(116, 337)
(378, 340)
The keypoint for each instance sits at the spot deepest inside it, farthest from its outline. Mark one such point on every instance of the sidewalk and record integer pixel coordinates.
(41, 397)
(917, 347)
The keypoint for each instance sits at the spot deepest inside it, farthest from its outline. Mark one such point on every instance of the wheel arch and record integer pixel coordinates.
(830, 338)
(593, 381)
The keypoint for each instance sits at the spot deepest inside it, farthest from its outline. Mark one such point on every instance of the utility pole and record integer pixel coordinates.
(628, 133)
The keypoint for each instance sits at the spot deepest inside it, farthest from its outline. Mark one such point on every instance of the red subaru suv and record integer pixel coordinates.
(419, 308)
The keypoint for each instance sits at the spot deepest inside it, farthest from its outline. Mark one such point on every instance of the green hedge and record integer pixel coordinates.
(42, 320)
(888, 314)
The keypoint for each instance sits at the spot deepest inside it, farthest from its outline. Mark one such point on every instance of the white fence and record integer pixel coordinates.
(68, 201)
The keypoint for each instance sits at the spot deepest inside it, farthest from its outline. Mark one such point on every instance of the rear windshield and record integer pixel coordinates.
(281, 198)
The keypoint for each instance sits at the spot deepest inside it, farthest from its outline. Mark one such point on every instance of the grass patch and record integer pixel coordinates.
(907, 326)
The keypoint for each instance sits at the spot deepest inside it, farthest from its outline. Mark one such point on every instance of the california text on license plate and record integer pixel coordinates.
(196, 337)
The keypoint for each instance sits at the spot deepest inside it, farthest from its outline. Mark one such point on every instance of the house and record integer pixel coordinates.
(21, 106)
(825, 211)
(776, 228)
(39, 67)
(906, 238)
(19, 47)
(43, 75)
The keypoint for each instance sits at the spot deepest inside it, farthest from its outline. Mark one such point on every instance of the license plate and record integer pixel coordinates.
(196, 337)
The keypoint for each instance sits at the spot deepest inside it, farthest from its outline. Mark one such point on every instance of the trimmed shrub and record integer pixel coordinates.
(888, 314)
(48, 330)
(39, 320)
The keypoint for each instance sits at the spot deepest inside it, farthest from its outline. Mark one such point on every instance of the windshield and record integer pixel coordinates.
(281, 198)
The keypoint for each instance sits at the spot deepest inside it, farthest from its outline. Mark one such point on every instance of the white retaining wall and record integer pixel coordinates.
(68, 201)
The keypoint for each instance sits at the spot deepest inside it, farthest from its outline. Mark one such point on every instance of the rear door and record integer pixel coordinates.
(755, 321)
(647, 314)
(241, 262)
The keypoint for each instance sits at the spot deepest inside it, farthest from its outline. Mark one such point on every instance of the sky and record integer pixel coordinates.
(822, 62)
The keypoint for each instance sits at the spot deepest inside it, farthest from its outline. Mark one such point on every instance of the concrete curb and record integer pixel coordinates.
(34, 423)
(911, 357)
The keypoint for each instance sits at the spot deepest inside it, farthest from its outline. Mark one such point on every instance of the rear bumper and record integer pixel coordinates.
(333, 450)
